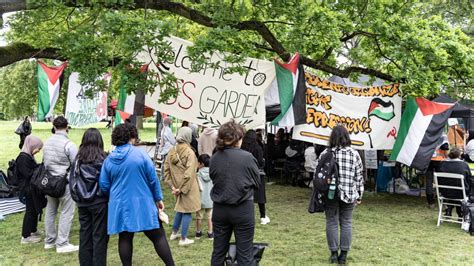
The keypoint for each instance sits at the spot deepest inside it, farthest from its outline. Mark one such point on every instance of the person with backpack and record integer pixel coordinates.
(59, 154)
(24, 170)
(24, 130)
(235, 175)
(91, 202)
(129, 178)
(180, 175)
(346, 191)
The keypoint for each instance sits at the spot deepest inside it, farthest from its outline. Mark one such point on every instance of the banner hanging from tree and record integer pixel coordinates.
(370, 114)
(82, 110)
(211, 96)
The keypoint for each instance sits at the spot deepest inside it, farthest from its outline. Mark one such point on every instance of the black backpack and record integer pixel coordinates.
(48, 184)
(326, 170)
(84, 188)
(12, 178)
(5, 190)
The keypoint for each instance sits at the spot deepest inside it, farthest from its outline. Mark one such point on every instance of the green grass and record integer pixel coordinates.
(388, 229)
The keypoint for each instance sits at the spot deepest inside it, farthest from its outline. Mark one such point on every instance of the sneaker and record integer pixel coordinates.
(30, 239)
(49, 246)
(67, 248)
(210, 235)
(37, 233)
(186, 241)
(265, 220)
(174, 236)
(198, 234)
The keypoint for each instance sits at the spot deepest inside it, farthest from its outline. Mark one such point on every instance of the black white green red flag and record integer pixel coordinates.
(291, 91)
(420, 130)
(49, 84)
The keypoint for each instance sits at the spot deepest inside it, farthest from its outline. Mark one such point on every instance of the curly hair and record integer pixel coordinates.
(229, 135)
(121, 135)
(133, 130)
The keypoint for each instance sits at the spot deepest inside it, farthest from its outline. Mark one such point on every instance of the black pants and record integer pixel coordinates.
(433, 167)
(156, 236)
(30, 220)
(239, 219)
(93, 236)
(22, 140)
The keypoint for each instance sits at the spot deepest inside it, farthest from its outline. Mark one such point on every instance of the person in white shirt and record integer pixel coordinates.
(310, 160)
(167, 140)
(469, 151)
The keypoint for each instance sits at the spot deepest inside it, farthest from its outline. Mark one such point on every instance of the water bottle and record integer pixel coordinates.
(332, 189)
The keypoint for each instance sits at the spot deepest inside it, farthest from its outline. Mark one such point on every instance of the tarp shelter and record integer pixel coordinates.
(464, 111)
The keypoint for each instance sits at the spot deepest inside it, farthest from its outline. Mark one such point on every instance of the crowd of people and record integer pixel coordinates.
(217, 176)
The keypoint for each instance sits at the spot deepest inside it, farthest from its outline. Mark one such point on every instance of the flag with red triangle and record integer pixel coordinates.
(49, 84)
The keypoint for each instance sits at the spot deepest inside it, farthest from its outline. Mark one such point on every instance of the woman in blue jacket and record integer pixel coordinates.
(128, 176)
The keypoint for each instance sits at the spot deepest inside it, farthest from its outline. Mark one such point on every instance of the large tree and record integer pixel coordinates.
(419, 43)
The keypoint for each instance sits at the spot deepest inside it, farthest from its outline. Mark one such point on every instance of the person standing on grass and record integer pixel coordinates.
(250, 144)
(26, 165)
(91, 203)
(58, 155)
(235, 175)
(167, 141)
(24, 130)
(180, 175)
(206, 201)
(128, 177)
(350, 187)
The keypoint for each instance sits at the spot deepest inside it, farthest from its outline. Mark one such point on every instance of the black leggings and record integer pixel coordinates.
(157, 236)
(261, 208)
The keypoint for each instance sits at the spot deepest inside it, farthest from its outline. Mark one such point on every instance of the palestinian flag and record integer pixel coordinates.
(381, 109)
(421, 127)
(291, 93)
(49, 84)
(125, 104)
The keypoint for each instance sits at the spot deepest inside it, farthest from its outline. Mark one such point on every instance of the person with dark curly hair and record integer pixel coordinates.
(128, 176)
(235, 175)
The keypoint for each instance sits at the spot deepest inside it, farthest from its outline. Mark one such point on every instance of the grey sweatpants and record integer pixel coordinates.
(339, 213)
(60, 237)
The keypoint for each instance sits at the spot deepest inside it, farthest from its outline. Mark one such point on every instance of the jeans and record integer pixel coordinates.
(60, 237)
(237, 219)
(30, 220)
(184, 218)
(339, 214)
(93, 236)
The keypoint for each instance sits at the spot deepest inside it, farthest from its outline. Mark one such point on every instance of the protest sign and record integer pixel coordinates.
(370, 114)
(212, 97)
(82, 110)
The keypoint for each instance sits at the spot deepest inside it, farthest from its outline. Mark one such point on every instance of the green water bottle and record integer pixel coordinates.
(332, 189)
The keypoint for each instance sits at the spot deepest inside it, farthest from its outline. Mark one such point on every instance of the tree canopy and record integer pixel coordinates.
(426, 45)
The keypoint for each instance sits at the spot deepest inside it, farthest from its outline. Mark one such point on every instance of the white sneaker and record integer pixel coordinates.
(265, 220)
(49, 246)
(185, 242)
(174, 236)
(30, 239)
(67, 248)
(37, 233)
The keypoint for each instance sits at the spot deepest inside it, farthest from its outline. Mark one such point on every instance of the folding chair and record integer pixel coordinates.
(444, 201)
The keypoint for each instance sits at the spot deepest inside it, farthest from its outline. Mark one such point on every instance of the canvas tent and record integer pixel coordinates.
(464, 111)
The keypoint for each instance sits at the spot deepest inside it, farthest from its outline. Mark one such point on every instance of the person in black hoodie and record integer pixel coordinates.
(454, 165)
(91, 203)
(25, 167)
(235, 175)
(250, 144)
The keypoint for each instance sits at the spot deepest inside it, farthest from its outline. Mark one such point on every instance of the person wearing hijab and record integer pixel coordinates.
(25, 165)
(180, 175)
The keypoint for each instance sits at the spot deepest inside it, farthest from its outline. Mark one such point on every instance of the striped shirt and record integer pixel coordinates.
(351, 178)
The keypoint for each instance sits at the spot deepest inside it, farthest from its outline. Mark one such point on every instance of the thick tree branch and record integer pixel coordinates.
(19, 51)
(200, 18)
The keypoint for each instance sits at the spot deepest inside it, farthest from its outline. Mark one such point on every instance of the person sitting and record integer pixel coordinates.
(294, 159)
(310, 160)
(456, 166)
(469, 152)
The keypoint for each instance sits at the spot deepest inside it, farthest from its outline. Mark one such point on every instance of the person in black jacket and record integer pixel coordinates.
(454, 165)
(235, 175)
(91, 203)
(24, 130)
(25, 166)
(250, 143)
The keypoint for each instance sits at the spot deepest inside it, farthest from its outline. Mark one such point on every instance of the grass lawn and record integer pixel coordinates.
(388, 229)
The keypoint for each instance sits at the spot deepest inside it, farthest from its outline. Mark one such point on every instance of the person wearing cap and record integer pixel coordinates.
(59, 153)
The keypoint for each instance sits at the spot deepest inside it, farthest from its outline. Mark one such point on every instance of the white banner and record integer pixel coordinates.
(371, 114)
(211, 97)
(82, 110)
